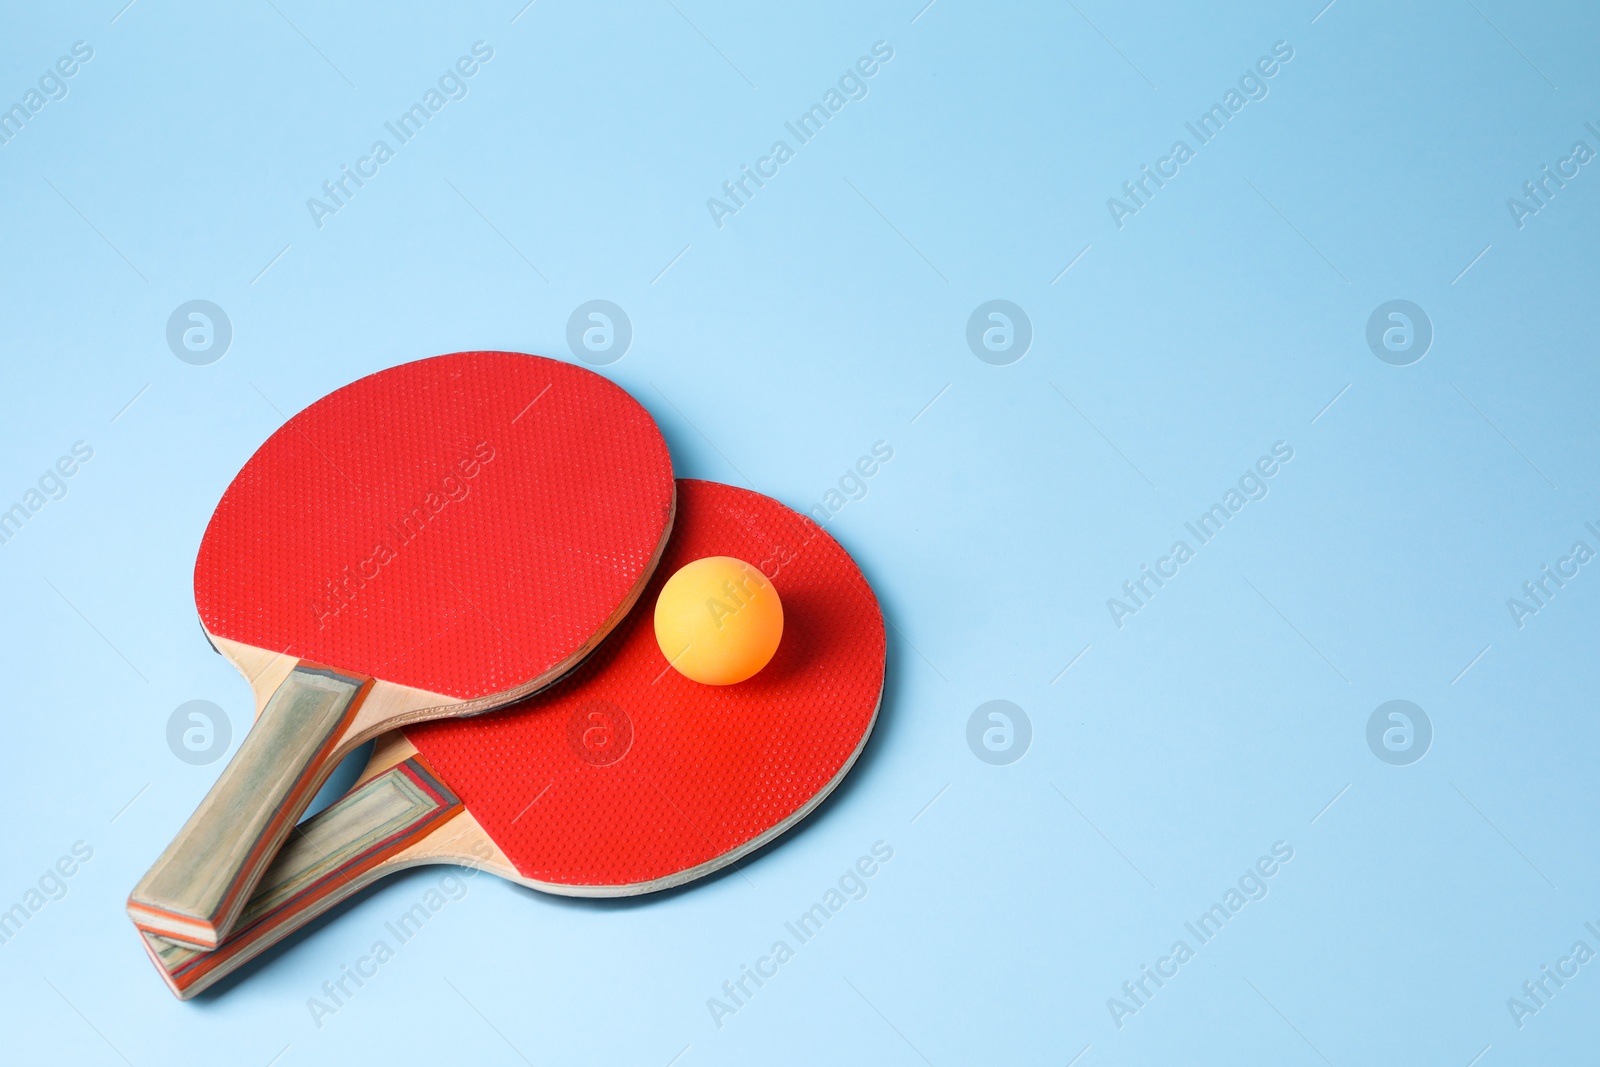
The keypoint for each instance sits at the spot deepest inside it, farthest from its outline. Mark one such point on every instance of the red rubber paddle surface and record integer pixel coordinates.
(627, 772)
(463, 524)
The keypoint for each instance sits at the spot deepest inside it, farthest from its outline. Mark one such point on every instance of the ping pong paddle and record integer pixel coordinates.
(435, 539)
(625, 778)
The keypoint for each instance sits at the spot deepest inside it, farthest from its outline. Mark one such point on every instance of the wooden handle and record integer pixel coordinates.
(335, 854)
(196, 889)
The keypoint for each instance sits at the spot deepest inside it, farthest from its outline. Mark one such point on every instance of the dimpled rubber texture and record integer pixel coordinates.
(706, 769)
(463, 524)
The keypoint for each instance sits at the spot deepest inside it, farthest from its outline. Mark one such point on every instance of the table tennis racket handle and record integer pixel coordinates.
(332, 856)
(198, 886)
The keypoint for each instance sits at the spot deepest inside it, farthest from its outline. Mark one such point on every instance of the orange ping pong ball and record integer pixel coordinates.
(718, 620)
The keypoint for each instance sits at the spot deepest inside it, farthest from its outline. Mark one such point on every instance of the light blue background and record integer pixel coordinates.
(823, 317)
